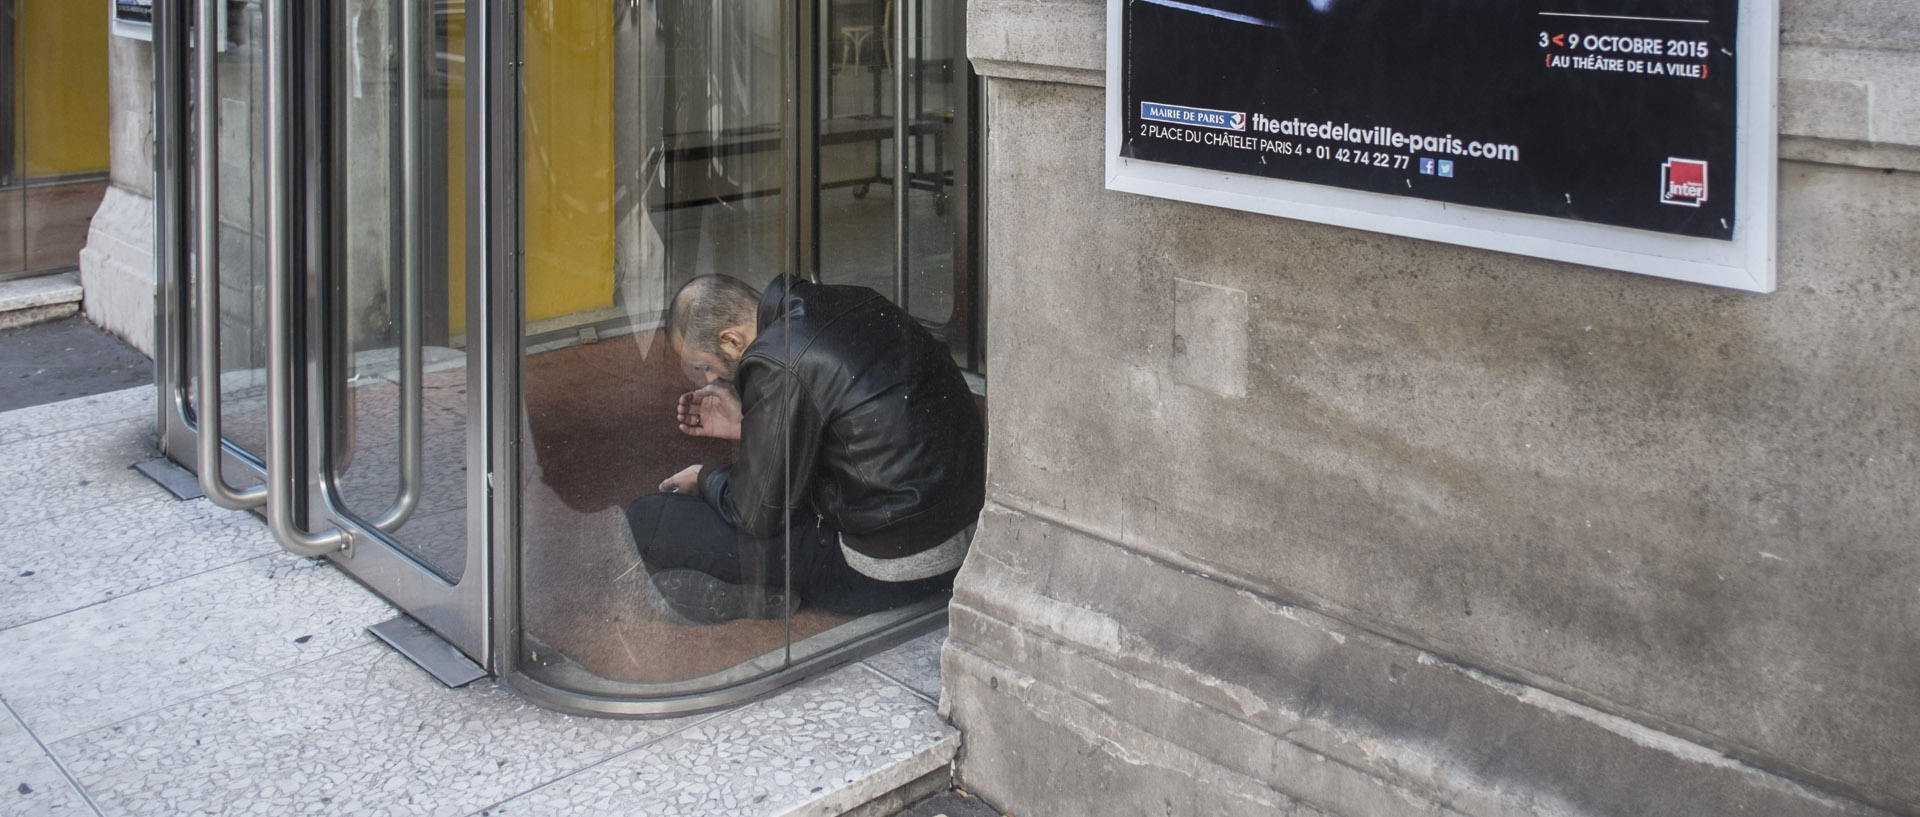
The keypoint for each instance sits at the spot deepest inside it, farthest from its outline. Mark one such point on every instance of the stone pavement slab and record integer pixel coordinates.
(31, 784)
(62, 564)
(74, 471)
(80, 412)
(915, 664)
(151, 649)
(819, 750)
(360, 732)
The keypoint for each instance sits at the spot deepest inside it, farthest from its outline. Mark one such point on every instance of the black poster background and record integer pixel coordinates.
(1591, 142)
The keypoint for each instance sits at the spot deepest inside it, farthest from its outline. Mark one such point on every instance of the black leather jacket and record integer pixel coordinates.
(869, 412)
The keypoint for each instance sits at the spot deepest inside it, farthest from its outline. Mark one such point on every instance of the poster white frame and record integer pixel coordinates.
(1746, 262)
(127, 28)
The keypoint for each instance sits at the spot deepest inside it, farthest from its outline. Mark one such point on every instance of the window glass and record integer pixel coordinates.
(690, 515)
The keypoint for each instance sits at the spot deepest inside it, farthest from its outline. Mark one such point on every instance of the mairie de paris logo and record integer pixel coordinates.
(1199, 117)
(1683, 182)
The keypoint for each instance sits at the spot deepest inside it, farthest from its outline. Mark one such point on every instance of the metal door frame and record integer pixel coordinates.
(303, 514)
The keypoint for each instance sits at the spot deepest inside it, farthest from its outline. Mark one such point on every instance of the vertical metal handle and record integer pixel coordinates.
(284, 483)
(207, 253)
(412, 315)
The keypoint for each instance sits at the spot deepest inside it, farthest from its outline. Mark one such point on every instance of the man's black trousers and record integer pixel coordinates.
(676, 531)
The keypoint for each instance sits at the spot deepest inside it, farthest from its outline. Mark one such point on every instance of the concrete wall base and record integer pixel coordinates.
(1054, 676)
(28, 301)
(117, 268)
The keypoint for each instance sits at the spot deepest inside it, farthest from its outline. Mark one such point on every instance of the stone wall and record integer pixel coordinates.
(116, 266)
(1289, 518)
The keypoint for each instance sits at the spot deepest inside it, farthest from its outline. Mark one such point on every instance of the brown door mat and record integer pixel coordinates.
(600, 419)
(601, 433)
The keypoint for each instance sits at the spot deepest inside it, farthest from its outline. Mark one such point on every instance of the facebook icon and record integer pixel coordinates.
(1426, 167)
(1446, 168)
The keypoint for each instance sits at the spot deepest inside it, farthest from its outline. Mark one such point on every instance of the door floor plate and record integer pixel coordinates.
(429, 650)
(178, 481)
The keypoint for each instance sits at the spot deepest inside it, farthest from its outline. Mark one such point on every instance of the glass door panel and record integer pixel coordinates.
(935, 78)
(399, 391)
(224, 133)
(725, 140)
(654, 143)
(240, 214)
(855, 68)
(892, 199)
(891, 130)
(53, 132)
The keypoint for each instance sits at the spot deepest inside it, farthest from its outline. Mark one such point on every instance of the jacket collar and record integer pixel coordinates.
(773, 303)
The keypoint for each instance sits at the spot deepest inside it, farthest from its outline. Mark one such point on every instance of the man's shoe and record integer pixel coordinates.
(703, 599)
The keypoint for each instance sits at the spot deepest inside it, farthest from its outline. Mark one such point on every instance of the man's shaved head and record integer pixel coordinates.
(713, 319)
(708, 304)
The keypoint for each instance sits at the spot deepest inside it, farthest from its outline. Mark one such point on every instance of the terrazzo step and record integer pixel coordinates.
(28, 301)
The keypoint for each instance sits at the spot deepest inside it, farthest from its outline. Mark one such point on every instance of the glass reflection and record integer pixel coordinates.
(653, 155)
(890, 210)
(53, 133)
(724, 470)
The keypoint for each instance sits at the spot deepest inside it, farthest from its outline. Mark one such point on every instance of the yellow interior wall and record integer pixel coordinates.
(60, 88)
(568, 146)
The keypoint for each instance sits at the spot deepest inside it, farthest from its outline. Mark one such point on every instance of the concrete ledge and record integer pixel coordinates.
(44, 290)
(1035, 749)
(1053, 41)
(1031, 72)
(1069, 691)
(1850, 94)
(923, 773)
(893, 802)
(28, 301)
(15, 318)
(1865, 155)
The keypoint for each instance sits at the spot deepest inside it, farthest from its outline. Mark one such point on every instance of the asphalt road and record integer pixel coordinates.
(63, 359)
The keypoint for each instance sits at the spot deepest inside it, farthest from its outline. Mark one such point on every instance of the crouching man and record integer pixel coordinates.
(861, 464)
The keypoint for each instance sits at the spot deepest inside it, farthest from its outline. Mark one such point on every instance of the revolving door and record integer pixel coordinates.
(416, 262)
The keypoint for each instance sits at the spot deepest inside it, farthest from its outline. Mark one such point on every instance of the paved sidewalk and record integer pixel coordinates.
(165, 657)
